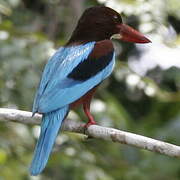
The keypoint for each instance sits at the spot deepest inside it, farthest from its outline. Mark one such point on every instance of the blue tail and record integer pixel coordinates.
(50, 125)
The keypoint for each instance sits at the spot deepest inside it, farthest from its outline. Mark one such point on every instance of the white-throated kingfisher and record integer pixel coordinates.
(73, 73)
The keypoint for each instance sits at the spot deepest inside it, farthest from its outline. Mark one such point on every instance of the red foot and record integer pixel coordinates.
(89, 123)
(86, 107)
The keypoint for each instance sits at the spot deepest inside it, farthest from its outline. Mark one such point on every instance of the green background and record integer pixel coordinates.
(143, 103)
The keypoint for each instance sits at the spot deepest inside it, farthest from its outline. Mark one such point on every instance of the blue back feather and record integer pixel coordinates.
(58, 67)
(56, 87)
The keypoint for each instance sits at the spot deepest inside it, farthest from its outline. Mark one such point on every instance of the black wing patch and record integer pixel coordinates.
(90, 67)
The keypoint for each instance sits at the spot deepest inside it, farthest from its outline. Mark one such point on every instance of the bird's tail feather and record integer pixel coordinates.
(51, 122)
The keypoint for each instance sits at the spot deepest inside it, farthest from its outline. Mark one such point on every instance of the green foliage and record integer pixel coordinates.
(29, 32)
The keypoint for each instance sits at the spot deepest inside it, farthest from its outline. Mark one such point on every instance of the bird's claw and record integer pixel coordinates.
(89, 123)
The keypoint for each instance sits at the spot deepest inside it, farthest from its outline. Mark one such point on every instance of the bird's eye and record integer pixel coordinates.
(115, 17)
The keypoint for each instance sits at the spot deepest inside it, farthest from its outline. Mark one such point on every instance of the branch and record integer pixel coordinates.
(96, 131)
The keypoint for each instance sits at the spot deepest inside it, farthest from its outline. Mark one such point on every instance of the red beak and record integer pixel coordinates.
(129, 34)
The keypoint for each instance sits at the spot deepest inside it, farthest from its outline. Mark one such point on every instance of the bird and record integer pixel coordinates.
(73, 74)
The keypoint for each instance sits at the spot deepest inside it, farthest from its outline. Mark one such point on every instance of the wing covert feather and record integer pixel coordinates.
(56, 89)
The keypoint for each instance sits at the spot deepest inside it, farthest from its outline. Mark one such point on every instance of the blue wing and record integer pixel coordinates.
(56, 89)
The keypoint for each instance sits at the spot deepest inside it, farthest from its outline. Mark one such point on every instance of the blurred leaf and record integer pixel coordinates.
(147, 105)
(5, 10)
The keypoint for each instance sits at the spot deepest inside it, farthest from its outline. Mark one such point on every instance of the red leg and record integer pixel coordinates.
(86, 100)
(86, 107)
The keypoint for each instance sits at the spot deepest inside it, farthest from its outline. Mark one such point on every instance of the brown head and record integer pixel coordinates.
(100, 23)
